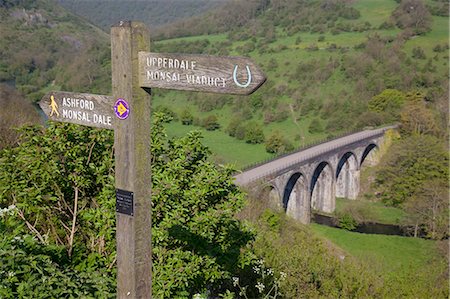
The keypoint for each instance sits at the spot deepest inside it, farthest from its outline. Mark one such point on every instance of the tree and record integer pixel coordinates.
(413, 14)
(417, 119)
(254, 133)
(276, 143)
(418, 53)
(429, 207)
(409, 164)
(390, 100)
(186, 117)
(210, 123)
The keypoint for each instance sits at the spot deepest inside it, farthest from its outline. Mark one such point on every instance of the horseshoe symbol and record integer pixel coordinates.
(249, 80)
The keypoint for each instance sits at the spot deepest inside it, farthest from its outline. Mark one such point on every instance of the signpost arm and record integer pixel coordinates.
(132, 142)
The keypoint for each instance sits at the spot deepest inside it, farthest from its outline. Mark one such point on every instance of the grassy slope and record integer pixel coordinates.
(411, 263)
(393, 252)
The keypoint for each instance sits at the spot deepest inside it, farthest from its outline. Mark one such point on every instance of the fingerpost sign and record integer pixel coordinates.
(127, 112)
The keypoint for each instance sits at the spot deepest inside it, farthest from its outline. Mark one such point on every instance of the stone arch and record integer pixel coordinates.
(347, 176)
(369, 155)
(272, 196)
(295, 198)
(322, 188)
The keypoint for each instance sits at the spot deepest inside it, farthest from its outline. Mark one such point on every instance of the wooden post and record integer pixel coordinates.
(132, 162)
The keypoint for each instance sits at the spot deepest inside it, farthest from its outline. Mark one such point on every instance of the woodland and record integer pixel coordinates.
(332, 67)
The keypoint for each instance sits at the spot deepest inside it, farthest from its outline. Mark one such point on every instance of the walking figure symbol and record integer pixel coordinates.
(54, 106)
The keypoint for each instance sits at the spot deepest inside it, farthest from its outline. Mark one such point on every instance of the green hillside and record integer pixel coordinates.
(321, 75)
(44, 47)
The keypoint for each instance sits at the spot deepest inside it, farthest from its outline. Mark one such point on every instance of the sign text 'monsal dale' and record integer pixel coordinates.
(79, 108)
(230, 75)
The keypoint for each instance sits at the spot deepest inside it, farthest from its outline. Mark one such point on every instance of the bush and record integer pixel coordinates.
(418, 53)
(346, 221)
(171, 115)
(276, 143)
(315, 126)
(210, 123)
(186, 117)
(254, 133)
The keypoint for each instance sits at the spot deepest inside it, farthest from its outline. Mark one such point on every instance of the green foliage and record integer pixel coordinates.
(196, 239)
(271, 219)
(253, 133)
(410, 163)
(428, 207)
(368, 211)
(210, 123)
(29, 269)
(417, 119)
(44, 46)
(418, 53)
(60, 174)
(397, 267)
(315, 126)
(24, 113)
(312, 271)
(346, 221)
(236, 128)
(276, 143)
(390, 100)
(186, 117)
(169, 113)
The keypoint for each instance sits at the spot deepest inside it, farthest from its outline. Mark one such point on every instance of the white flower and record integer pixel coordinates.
(282, 276)
(198, 296)
(260, 287)
(235, 281)
(269, 271)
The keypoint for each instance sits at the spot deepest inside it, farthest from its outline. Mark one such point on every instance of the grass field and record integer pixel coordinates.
(372, 211)
(392, 252)
(375, 11)
(225, 149)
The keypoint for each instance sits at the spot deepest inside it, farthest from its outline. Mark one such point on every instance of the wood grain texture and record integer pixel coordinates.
(79, 108)
(132, 160)
(229, 75)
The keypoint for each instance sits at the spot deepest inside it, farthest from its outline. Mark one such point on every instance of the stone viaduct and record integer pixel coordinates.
(312, 178)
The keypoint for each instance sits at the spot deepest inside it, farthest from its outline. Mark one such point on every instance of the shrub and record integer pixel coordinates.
(186, 117)
(210, 123)
(346, 221)
(254, 133)
(276, 143)
(315, 126)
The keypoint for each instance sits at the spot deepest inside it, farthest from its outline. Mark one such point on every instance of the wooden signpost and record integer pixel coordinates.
(134, 71)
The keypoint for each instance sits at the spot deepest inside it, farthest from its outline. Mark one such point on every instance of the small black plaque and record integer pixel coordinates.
(124, 202)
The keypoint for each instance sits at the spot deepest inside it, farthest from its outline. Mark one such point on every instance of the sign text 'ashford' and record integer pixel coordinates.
(231, 75)
(79, 108)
